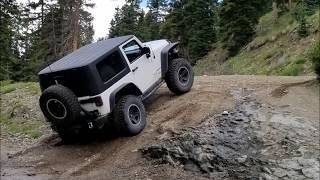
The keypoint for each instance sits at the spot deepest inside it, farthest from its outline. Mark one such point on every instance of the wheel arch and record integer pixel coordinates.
(165, 57)
(125, 89)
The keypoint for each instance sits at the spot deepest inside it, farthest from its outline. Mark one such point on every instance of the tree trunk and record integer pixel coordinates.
(42, 11)
(274, 12)
(54, 36)
(75, 36)
(289, 4)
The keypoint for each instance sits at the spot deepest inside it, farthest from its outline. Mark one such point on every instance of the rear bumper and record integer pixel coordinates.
(95, 119)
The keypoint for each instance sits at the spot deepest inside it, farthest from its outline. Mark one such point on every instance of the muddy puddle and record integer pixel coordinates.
(254, 141)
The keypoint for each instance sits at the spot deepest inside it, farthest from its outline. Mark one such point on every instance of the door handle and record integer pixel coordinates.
(134, 69)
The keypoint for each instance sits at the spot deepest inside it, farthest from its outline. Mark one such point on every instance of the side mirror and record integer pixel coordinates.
(146, 51)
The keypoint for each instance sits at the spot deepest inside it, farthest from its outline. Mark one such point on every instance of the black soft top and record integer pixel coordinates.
(86, 54)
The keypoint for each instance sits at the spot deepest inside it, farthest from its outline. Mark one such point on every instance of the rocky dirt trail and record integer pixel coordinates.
(271, 131)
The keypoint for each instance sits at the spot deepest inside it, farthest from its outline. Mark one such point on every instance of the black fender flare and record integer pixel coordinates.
(165, 57)
(112, 97)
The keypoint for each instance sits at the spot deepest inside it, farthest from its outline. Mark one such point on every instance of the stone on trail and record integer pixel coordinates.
(225, 113)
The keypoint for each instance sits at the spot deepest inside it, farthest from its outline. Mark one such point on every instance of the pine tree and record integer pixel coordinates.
(76, 20)
(302, 9)
(9, 52)
(200, 25)
(275, 13)
(238, 19)
(115, 24)
(154, 19)
(151, 27)
(174, 26)
(126, 20)
(59, 32)
(193, 23)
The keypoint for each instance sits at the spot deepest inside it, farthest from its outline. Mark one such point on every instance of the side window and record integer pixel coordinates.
(110, 66)
(132, 50)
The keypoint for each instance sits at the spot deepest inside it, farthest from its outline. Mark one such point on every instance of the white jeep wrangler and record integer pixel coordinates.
(109, 80)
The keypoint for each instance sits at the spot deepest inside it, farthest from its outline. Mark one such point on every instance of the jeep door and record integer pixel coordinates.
(143, 68)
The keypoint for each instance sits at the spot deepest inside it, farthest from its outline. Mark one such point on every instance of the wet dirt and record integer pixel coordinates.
(263, 136)
(224, 146)
(254, 141)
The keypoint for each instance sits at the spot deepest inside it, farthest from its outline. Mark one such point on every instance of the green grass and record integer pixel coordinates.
(290, 69)
(266, 30)
(8, 86)
(275, 50)
(15, 126)
(313, 22)
(209, 66)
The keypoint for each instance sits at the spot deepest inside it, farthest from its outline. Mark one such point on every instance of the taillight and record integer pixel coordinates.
(98, 101)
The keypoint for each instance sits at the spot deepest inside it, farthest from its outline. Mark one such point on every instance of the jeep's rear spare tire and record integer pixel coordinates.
(129, 116)
(179, 77)
(60, 106)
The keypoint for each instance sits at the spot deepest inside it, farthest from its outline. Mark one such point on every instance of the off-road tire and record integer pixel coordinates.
(122, 121)
(172, 76)
(63, 95)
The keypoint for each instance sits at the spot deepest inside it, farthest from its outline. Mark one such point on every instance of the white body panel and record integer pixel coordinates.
(148, 72)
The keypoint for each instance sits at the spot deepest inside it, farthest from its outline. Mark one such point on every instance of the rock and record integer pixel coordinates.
(279, 172)
(295, 175)
(308, 162)
(273, 38)
(272, 161)
(134, 150)
(189, 166)
(207, 167)
(290, 164)
(31, 174)
(242, 158)
(311, 173)
(10, 155)
(177, 151)
(216, 147)
(235, 122)
(170, 160)
(225, 113)
(267, 177)
(267, 170)
(41, 163)
(239, 119)
(162, 136)
(284, 32)
(282, 59)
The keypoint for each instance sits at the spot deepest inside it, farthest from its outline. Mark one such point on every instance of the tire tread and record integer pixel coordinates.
(119, 119)
(170, 76)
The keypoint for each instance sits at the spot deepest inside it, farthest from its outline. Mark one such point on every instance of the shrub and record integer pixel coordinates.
(302, 28)
(301, 11)
(314, 56)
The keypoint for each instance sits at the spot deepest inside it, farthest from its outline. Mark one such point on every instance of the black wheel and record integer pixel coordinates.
(129, 116)
(179, 77)
(60, 106)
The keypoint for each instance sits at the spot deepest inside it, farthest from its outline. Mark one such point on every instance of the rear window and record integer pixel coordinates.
(110, 66)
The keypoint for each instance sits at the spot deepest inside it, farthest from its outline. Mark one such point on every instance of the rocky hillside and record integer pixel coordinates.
(276, 50)
(21, 120)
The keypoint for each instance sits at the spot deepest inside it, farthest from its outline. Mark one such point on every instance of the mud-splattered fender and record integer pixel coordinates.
(165, 57)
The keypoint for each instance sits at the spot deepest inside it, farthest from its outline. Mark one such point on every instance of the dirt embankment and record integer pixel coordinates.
(267, 133)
